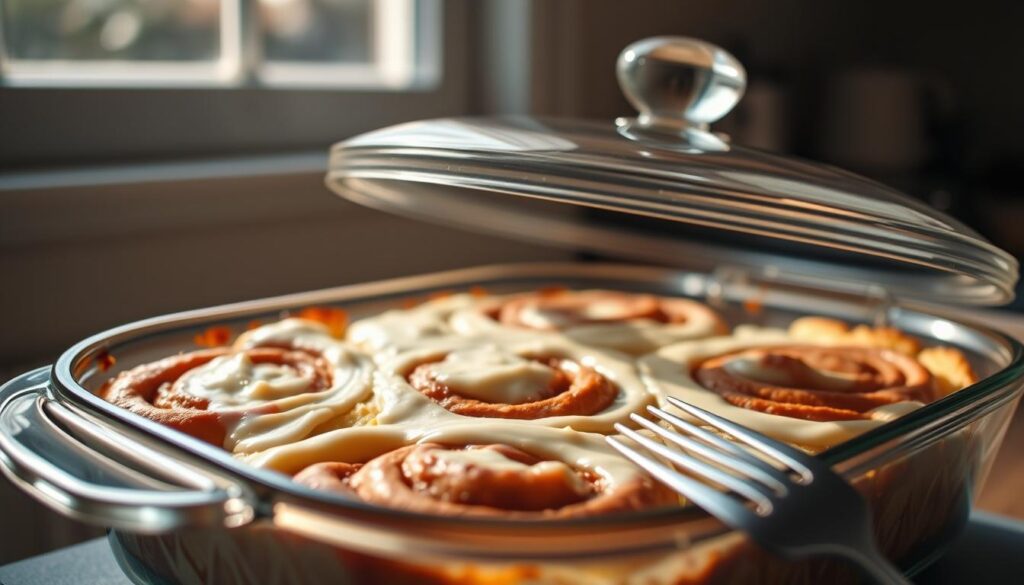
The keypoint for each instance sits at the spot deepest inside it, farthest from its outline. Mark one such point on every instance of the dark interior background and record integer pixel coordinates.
(922, 95)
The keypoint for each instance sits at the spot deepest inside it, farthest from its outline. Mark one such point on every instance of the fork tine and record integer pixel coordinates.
(737, 461)
(706, 497)
(784, 453)
(718, 441)
(694, 465)
(696, 431)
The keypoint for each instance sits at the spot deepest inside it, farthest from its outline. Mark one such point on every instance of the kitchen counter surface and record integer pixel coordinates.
(988, 553)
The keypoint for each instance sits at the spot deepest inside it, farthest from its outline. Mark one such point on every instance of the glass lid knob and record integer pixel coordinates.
(678, 82)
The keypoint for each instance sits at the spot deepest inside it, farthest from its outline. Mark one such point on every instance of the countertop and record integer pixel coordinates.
(990, 551)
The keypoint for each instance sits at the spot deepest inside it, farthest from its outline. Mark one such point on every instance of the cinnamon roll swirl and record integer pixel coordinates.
(523, 388)
(276, 384)
(816, 385)
(495, 479)
(149, 390)
(630, 322)
(547, 380)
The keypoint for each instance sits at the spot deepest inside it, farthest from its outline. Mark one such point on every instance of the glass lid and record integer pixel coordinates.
(661, 187)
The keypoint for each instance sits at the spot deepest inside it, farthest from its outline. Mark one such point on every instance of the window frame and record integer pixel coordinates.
(60, 126)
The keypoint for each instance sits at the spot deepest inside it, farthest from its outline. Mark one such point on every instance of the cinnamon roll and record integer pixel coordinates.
(541, 475)
(547, 380)
(815, 385)
(539, 386)
(630, 322)
(276, 384)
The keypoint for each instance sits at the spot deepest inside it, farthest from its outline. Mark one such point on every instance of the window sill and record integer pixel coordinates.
(223, 168)
(74, 204)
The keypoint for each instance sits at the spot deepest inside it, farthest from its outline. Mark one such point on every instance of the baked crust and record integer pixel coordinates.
(835, 332)
(951, 368)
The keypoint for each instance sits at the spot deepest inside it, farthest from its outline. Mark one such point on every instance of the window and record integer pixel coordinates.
(272, 43)
(109, 82)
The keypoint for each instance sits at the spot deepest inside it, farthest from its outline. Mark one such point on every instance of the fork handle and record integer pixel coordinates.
(877, 566)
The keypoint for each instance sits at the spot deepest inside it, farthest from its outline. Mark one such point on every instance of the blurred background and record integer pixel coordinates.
(161, 155)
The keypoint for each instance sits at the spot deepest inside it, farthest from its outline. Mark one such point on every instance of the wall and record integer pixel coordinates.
(975, 47)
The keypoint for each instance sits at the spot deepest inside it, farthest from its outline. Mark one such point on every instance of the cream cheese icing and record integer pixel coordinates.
(577, 450)
(490, 374)
(495, 461)
(286, 410)
(485, 366)
(292, 425)
(400, 328)
(234, 380)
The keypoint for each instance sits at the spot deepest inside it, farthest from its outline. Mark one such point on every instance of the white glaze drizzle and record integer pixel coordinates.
(406, 416)
(400, 328)
(753, 368)
(490, 374)
(492, 460)
(288, 410)
(234, 380)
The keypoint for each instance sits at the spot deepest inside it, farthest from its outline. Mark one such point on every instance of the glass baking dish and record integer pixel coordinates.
(183, 511)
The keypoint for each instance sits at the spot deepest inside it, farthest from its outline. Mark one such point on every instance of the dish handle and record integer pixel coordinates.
(83, 468)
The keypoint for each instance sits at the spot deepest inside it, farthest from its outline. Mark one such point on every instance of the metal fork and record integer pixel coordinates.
(798, 509)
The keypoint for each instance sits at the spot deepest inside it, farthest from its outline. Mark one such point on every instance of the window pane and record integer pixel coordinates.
(318, 31)
(277, 43)
(342, 43)
(111, 30)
